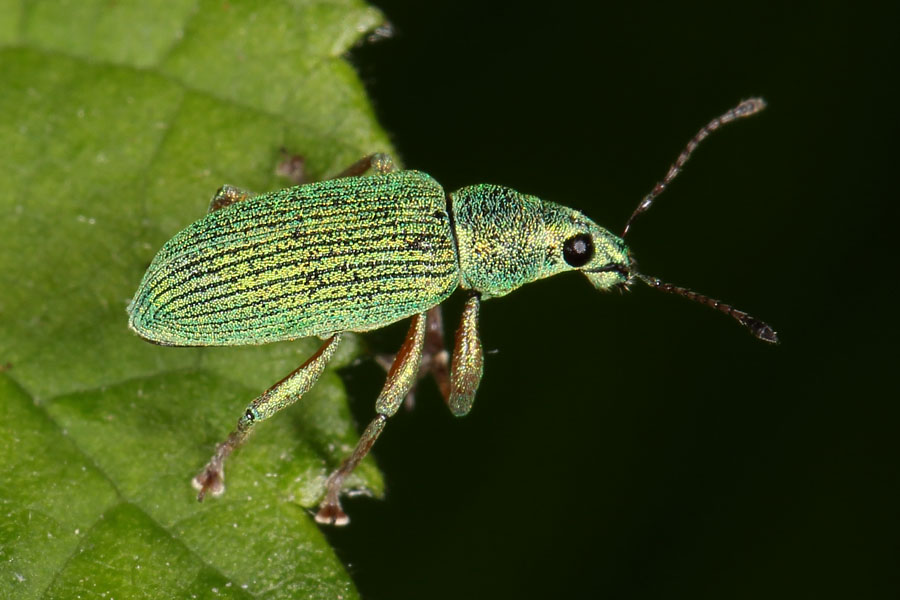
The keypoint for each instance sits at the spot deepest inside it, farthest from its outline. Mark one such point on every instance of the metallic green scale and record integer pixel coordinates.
(349, 254)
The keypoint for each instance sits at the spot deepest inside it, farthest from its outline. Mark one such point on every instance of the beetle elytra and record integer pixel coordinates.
(359, 252)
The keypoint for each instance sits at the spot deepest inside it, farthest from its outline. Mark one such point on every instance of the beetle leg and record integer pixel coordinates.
(292, 167)
(380, 162)
(228, 195)
(435, 358)
(400, 379)
(468, 360)
(281, 395)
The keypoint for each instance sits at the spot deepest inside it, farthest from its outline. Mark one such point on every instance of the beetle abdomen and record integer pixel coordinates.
(349, 254)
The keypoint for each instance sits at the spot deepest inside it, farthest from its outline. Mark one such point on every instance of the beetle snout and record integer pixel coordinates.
(609, 276)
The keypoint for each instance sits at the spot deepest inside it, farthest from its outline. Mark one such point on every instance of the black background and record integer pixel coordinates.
(637, 445)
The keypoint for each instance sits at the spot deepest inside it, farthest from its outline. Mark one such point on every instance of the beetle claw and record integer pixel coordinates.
(331, 513)
(209, 481)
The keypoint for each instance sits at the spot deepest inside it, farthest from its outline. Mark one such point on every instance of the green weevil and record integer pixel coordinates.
(358, 252)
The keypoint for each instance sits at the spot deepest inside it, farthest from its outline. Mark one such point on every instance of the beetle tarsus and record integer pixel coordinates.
(331, 513)
(211, 480)
(292, 167)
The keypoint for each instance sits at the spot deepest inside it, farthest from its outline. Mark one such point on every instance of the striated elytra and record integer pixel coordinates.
(358, 252)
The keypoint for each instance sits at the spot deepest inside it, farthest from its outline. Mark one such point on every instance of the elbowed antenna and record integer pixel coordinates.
(758, 328)
(744, 109)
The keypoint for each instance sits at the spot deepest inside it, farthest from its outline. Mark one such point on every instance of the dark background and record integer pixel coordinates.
(637, 445)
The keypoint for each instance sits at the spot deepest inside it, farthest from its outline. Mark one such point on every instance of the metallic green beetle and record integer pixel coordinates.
(357, 253)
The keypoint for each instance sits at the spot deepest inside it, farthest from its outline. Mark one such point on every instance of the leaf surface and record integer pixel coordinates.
(119, 121)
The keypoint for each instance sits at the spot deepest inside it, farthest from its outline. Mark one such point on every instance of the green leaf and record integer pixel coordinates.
(119, 121)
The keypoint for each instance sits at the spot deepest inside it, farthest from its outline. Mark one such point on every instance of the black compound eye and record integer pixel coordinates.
(578, 250)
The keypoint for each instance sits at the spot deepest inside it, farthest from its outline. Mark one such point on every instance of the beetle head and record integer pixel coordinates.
(574, 242)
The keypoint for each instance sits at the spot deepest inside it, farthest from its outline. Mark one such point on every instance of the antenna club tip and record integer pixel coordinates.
(750, 106)
(770, 336)
(761, 330)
